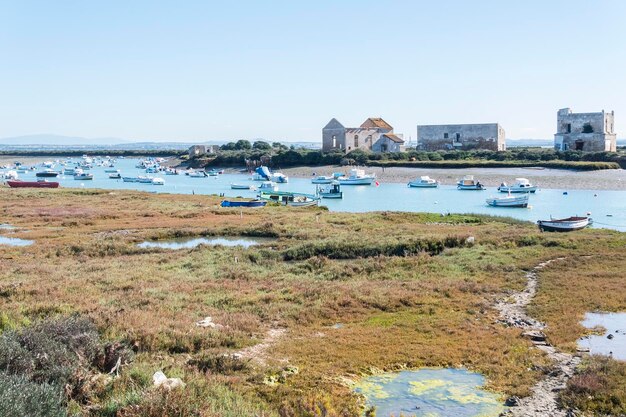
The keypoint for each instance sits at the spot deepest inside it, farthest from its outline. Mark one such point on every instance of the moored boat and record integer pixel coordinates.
(251, 203)
(424, 182)
(568, 224)
(321, 179)
(522, 185)
(157, 181)
(83, 176)
(509, 201)
(332, 190)
(469, 183)
(33, 184)
(290, 199)
(242, 187)
(357, 177)
(115, 175)
(268, 185)
(47, 173)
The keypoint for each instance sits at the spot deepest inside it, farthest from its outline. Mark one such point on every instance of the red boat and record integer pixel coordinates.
(33, 184)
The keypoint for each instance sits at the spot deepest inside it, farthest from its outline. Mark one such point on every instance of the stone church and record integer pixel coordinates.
(374, 135)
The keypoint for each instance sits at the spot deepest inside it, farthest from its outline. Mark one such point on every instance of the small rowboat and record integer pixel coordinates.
(242, 187)
(564, 225)
(252, 203)
(33, 184)
(509, 201)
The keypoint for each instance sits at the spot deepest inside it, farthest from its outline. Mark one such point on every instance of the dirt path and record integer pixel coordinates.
(259, 351)
(543, 401)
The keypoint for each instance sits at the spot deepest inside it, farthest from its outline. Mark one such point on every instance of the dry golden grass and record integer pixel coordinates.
(396, 311)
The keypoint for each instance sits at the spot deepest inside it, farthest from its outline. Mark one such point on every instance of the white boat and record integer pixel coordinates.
(10, 175)
(111, 171)
(332, 190)
(280, 178)
(357, 177)
(115, 175)
(198, 174)
(469, 183)
(152, 169)
(509, 201)
(83, 176)
(258, 177)
(69, 171)
(171, 171)
(144, 180)
(242, 187)
(289, 198)
(568, 224)
(130, 179)
(522, 185)
(158, 181)
(321, 179)
(268, 186)
(424, 182)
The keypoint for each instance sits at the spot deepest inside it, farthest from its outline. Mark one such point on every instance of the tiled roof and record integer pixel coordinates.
(376, 122)
(393, 138)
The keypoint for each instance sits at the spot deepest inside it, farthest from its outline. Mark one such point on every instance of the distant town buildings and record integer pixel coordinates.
(592, 132)
(374, 135)
(463, 136)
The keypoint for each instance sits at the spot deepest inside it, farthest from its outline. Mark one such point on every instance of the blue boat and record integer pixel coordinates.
(252, 203)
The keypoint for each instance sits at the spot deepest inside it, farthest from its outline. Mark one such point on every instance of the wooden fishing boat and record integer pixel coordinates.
(290, 199)
(469, 183)
(33, 184)
(568, 224)
(424, 182)
(332, 190)
(357, 177)
(509, 201)
(522, 185)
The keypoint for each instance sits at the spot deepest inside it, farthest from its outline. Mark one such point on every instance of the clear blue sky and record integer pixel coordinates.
(202, 70)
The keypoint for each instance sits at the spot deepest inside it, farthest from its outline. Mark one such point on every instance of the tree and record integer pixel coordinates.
(261, 146)
(230, 146)
(243, 145)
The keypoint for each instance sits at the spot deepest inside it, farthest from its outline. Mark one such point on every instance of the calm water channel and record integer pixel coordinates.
(608, 208)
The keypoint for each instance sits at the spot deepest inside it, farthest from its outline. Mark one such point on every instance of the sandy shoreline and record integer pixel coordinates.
(610, 179)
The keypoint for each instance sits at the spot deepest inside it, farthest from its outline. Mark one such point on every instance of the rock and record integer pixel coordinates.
(583, 349)
(512, 401)
(160, 380)
(470, 240)
(535, 335)
(610, 336)
(208, 322)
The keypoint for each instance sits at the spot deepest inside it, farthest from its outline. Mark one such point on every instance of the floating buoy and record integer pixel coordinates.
(377, 183)
(609, 215)
(436, 202)
(564, 192)
(595, 195)
(588, 213)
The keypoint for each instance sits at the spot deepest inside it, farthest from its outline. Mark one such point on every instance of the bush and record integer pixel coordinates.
(20, 397)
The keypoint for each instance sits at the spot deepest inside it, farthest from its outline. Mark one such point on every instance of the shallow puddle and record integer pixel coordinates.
(13, 241)
(430, 393)
(613, 341)
(187, 243)
(4, 226)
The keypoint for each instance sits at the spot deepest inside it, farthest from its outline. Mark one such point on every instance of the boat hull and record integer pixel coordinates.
(517, 189)
(470, 187)
(356, 181)
(227, 203)
(423, 185)
(332, 195)
(564, 225)
(290, 199)
(508, 201)
(47, 174)
(32, 184)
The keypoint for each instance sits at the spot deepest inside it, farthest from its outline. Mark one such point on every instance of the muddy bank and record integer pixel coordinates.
(544, 398)
(614, 179)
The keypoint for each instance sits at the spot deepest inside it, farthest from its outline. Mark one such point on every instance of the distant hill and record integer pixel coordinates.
(59, 140)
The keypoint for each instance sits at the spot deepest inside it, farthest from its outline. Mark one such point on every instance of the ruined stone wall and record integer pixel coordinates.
(464, 136)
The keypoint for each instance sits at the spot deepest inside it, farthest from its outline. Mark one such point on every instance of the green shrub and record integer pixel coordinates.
(49, 351)
(20, 397)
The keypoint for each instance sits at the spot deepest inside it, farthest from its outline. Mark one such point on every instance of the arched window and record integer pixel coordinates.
(356, 141)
